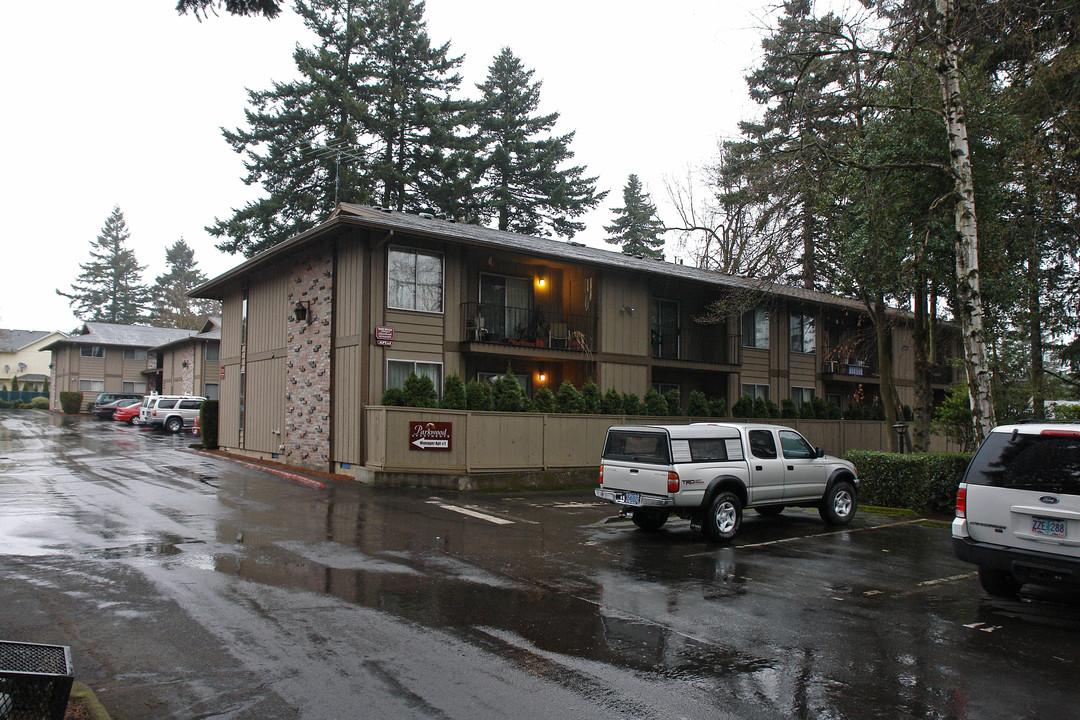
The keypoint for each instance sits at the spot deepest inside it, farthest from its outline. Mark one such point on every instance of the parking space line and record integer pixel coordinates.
(809, 537)
(471, 513)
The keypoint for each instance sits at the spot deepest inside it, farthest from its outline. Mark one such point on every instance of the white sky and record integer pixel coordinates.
(121, 103)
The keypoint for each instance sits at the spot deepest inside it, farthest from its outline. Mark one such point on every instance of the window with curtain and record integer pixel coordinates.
(398, 371)
(414, 280)
(802, 333)
(213, 351)
(756, 391)
(133, 387)
(755, 328)
(800, 395)
(91, 386)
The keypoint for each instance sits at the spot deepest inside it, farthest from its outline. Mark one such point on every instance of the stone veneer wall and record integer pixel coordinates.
(307, 364)
(187, 372)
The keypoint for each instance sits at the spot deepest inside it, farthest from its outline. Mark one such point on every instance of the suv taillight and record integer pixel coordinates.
(673, 482)
(961, 501)
(601, 474)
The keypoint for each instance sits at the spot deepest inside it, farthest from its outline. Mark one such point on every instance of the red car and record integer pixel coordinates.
(128, 413)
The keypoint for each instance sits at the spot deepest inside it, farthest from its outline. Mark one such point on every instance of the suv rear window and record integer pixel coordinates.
(166, 404)
(640, 447)
(1040, 463)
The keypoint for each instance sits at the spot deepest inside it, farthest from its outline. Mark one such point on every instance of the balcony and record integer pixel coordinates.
(723, 350)
(852, 369)
(492, 324)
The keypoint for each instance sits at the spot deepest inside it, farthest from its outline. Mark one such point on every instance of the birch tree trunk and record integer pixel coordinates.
(967, 239)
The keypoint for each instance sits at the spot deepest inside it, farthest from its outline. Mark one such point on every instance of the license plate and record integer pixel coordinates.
(632, 498)
(1045, 526)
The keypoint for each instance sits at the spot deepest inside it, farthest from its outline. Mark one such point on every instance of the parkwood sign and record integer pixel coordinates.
(430, 435)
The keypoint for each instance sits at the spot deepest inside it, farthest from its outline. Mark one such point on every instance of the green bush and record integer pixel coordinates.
(743, 407)
(612, 403)
(954, 418)
(631, 405)
(807, 411)
(70, 402)
(590, 393)
(653, 404)
(718, 408)
(788, 409)
(392, 397)
(698, 404)
(478, 395)
(208, 424)
(39, 403)
(916, 481)
(569, 399)
(419, 392)
(544, 401)
(673, 398)
(508, 395)
(454, 394)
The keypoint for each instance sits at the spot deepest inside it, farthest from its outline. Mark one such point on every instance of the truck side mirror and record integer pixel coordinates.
(820, 452)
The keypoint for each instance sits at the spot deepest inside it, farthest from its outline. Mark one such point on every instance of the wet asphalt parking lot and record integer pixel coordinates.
(191, 587)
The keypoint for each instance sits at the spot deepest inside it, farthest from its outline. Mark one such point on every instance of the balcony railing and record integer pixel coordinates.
(527, 327)
(724, 350)
(856, 368)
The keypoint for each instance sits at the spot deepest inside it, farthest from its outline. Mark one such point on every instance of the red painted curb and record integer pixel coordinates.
(280, 473)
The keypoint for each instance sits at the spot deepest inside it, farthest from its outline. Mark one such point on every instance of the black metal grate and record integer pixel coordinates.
(35, 681)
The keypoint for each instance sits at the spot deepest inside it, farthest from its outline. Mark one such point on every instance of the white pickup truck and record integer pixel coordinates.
(709, 472)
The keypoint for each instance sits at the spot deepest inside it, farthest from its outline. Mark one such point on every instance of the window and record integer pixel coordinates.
(800, 395)
(213, 351)
(91, 386)
(762, 444)
(134, 354)
(167, 403)
(710, 450)
(662, 388)
(756, 391)
(795, 447)
(802, 333)
(211, 391)
(755, 328)
(190, 404)
(1035, 463)
(644, 447)
(97, 351)
(398, 371)
(243, 327)
(134, 387)
(415, 280)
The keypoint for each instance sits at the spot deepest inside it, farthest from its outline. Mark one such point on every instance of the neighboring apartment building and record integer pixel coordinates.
(20, 360)
(189, 365)
(319, 326)
(105, 357)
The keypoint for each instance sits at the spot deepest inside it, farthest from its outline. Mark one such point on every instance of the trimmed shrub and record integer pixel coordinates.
(569, 399)
(698, 404)
(39, 403)
(718, 408)
(419, 391)
(392, 397)
(743, 407)
(454, 394)
(594, 402)
(612, 403)
(788, 409)
(916, 481)
(508, 395)
(673, 398)
(544, 401)
(807, 411)
(208, 424)
(654, 405)
(478, 395)
(70, 402)
(630, 404)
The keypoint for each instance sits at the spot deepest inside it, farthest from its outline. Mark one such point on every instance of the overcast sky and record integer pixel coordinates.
(121, 103)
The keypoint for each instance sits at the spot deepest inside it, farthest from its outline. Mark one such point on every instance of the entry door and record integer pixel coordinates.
(506, 303)
(804, 476)
(766, 465)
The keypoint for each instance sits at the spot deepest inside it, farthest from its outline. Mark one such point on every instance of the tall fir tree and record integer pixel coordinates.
(370, 120)
(170, 306)
(636, 228)
(520, 178)
(109, 288)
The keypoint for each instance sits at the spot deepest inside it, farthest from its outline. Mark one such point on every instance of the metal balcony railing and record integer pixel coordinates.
(725, 350)
(527, 327)
(854, 368)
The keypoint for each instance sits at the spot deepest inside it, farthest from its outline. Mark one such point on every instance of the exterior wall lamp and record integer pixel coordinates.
(302, 310)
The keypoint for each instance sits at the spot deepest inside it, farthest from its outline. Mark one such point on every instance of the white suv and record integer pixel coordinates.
(171, 412)
(1018, 507)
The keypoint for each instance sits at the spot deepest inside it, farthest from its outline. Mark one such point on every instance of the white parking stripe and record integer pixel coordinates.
(811, 537)
(472, 513)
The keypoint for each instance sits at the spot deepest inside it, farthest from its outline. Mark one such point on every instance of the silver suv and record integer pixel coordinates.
(171, 412)
(1018, 507)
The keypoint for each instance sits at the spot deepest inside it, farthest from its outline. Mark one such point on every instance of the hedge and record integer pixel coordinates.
(71, 402)
(208, 424)
(917, 481)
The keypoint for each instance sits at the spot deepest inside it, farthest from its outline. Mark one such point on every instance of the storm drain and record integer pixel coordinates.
(35, 681)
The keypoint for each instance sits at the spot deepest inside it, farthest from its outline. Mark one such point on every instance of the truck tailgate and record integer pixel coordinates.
(649, 479)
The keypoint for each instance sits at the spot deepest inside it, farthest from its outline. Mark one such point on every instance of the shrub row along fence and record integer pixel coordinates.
(923, 482)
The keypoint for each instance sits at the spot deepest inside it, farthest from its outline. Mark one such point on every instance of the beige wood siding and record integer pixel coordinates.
(229, 407)
(803, 370)
(623, 377)
(231, 310)
(350, 288)
(417, 336)
(264, 414)
(267, 312)
(622, 330)
(347, 408)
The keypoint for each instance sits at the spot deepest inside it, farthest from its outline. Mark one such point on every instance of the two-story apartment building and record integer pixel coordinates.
(189, 365)
(106, 357)
(316, 328)
(20, 362)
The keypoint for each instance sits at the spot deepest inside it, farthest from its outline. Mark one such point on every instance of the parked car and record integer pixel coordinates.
(104, 405)
(128, 411)
(171, 412)
(709, 472)
(1018, 507)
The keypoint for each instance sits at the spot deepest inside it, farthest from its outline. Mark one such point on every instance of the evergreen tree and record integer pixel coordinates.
(109, 288)
(544, 401)
(613, 402)
(519, 178)
(454, 393)
(569, 399)
(594, 402)
(370, 120)
(636, 228)
(170, 305)
(200, 8)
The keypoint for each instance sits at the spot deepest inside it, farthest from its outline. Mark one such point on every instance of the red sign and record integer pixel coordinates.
(222, 372)
(430, 435)
(384, 335)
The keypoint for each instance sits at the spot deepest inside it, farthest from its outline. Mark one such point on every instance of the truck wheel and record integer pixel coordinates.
(769, 510)
(839, 504)
(174, 424)
(650, 520)
(723, 518)
(998, 583)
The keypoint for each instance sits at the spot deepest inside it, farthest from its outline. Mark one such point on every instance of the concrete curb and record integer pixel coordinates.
(84, 695)
(272, 471)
